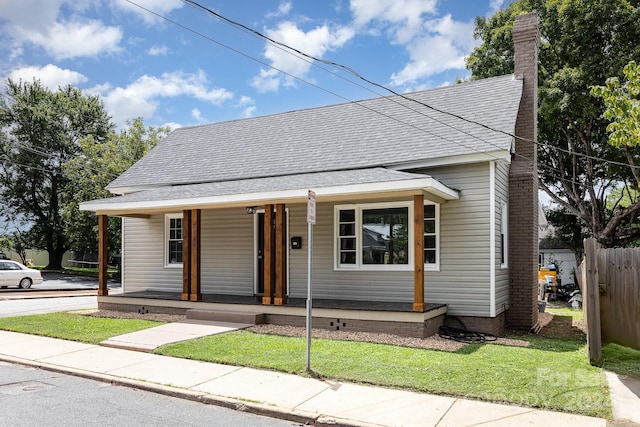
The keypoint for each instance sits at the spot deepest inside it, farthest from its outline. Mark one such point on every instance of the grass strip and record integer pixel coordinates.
(621, 360)
(74, 327)
(549, 374)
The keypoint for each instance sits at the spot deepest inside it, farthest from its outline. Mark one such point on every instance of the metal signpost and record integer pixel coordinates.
(311, 220)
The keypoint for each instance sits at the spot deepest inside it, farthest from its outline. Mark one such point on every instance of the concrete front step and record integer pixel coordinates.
(225, 316)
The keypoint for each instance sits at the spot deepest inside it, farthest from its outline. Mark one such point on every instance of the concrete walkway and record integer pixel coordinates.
(152, 338)
(305, 400)
(625, 397)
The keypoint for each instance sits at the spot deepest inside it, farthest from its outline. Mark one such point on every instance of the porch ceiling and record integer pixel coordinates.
(329, 186)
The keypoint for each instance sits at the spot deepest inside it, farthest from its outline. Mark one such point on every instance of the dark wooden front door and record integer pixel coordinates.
(261, 249)
(260, 254)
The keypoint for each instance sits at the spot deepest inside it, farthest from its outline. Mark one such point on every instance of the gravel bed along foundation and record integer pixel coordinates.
(434, 342)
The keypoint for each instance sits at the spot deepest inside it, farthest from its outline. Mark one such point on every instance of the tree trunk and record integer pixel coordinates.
(55, 258)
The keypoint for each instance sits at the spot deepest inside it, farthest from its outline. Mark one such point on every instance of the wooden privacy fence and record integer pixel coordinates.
(609, 280)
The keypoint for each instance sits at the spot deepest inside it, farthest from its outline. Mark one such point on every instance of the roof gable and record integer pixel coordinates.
(371, 133)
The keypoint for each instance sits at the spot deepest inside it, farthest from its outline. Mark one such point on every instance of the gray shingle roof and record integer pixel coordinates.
(365, 134)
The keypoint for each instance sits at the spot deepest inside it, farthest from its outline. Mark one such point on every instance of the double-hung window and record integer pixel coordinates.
(504, 236)
(431, 236)
(379, 236)
(347, 249)
(374, 236)
(173, 240)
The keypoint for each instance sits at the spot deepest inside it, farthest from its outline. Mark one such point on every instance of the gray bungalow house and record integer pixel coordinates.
(426, 205)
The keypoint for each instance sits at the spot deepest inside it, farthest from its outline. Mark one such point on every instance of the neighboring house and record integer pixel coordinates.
(564, 260)
(553, 251)
(412, 207)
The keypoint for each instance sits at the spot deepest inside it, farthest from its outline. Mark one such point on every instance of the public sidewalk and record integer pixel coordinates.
(304, 400)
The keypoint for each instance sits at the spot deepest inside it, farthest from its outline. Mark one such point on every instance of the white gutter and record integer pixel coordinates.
(428, 185)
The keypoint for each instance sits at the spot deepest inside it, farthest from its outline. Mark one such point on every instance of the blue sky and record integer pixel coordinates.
(142, 65)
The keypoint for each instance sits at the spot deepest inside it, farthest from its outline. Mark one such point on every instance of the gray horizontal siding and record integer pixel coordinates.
(463, 282)
(502, 274)
(227, 254)
(143, 260)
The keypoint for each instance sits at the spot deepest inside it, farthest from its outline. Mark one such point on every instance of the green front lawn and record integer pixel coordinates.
(621, 360)
(550, 374)
(74, 327)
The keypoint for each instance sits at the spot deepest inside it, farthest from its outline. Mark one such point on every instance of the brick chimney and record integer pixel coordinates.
(523, 182)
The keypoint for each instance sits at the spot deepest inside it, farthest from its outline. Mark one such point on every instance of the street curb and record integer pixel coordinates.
(47, 294)
(297, 416)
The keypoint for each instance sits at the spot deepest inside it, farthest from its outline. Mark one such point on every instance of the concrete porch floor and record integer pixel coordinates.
(292, 302)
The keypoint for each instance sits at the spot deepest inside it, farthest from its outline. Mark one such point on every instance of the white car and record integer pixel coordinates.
(13, 273)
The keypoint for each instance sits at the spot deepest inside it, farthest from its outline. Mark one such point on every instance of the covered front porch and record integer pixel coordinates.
(380, 188)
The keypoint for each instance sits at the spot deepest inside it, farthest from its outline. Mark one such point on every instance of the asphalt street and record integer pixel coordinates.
(21, 307)
(36, 397)
(58, 292)
(68, 281)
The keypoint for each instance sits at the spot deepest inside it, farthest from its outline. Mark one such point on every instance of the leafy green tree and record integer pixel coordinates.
(622, 102)
(17, 242)
(93, 170)
(583, 42)
(40, 131)
(5, 244)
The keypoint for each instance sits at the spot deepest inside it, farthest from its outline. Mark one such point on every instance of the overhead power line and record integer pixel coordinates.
(359, 103)
(314, 60)
(353, 72)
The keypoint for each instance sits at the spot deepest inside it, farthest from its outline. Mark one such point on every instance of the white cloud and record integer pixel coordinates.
(248, 105)
(31, 14)
(161, 7)
(315, 42)
(283, 9)
(443, 48)
(494, 6)
(69, 40)
(402, 18)
(38, 23)
(172, 125)
(197, 115)
(51, 76)
(158, 50)
(140, 97)
(434, 45)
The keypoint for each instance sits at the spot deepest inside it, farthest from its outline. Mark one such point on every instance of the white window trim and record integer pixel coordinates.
(504, 230)
(167, 218)
(436, 266)
(359, 266)
(492, 238)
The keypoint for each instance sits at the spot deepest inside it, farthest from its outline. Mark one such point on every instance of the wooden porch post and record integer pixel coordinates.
(103, 255)
(186, 255)
(268, 254)
(281, 262)
(418, 255)
(195, 261)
